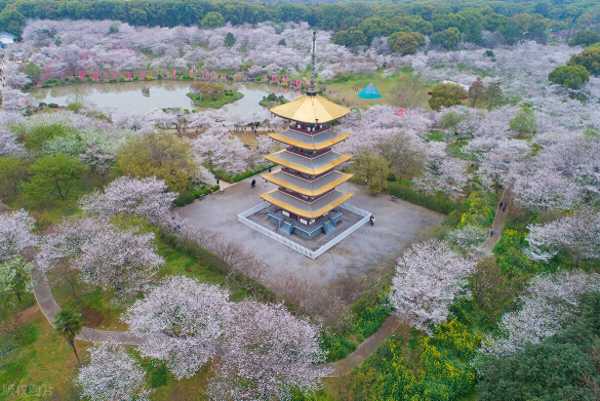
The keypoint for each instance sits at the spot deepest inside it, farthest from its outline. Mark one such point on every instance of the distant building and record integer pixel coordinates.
(6, 39)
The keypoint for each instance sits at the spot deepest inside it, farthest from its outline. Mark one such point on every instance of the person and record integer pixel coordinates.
(253, 183)
(372, 220)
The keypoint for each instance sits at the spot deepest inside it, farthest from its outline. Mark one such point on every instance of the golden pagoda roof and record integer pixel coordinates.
(314, 187)
(309, 210)
(306, 165)
(303, 140)
(311, 109)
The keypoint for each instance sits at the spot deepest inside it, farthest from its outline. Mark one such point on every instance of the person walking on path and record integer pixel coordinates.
(253, 183)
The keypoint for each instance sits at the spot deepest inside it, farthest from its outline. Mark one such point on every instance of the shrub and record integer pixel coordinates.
(588, 58)
(12, 172)
(54, 178)
(406, 42)
(438, 202)
(446, 95)
(524, 122)
(570, 76)
(165, 156)
(37, 136)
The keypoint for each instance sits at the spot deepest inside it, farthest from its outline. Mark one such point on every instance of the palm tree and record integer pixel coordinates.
(69, 323)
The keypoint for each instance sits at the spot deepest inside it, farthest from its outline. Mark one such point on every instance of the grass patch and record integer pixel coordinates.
(36, 364)
(403, 89)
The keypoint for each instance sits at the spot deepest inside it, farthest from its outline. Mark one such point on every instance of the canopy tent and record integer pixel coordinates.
(369, 92)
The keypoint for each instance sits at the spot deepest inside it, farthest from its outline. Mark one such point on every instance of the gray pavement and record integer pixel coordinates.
(397, 224)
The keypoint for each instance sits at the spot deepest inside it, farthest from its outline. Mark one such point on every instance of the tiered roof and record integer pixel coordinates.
(303, 140)
(306, 187)
(306, 209)
(311, 109)
(306, 165)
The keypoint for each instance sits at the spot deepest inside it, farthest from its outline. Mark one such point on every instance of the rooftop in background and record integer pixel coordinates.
(369, 92)
(310, 109)
(6, 38)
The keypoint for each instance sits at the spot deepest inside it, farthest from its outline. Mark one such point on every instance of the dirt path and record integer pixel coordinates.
(393, 322)
(50, 308)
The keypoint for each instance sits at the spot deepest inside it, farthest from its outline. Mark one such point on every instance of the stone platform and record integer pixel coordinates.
(257, 218)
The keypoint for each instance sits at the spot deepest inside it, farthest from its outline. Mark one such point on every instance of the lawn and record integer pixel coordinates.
(402, 89)
(36, 364)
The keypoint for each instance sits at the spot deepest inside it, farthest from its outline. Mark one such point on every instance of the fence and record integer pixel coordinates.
(312, 254)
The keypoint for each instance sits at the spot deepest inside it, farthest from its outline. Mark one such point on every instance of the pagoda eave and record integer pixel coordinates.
(307, 210)
(313, 188)
(316, 166)
(304, 143)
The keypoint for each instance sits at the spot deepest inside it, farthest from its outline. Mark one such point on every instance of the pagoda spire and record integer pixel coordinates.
(312, 89)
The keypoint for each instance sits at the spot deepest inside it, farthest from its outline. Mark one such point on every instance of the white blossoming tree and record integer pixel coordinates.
(266, 352)
(547, 304)
(15, 234)
(104, 255)
(112, 375)
(579, 234)
(146, 197)
(428, 277)
(183, 322)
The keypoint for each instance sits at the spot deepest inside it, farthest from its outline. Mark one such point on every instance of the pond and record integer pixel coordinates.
(142, 97)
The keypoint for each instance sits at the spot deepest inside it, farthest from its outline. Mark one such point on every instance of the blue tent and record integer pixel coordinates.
(369, 92)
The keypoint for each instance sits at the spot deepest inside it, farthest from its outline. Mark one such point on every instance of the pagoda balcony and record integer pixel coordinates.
(312, 188)
(311, 166)
(308, 210)
(323, 140)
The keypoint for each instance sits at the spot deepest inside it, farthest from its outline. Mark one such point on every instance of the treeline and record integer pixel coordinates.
(356, 23)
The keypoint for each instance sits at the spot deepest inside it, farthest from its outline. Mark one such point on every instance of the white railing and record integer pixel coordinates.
(243, 218)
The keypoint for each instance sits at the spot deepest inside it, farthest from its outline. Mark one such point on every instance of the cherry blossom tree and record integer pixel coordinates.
(548, 303)
(103, 254)
(148, 197)
(9, 145)
(220, 149)
(15, 234)
(428, 277)
(183, 322)
(266, 352)
(443, 173)
(579, 234)
(112, 375)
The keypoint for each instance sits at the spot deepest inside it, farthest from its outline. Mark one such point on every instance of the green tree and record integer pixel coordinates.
(524, 122)
(375, 26)
(12, 171)
(36, 137)
(54, 177)
(446, 95)
(68, 324)
(588, 58)
(15, 278)
(352, 38)
(570, 76)
(12, 21)
(33, 71)
(212, 19)
(494, 96)
(406, 42)
(229, 40)
(371, 169)
(585, 38)
(448, 39)
(165, 156)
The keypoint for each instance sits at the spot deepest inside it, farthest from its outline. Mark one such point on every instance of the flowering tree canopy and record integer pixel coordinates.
(182, 321)
(104, 255)
(579, 234)
(428, 277)
(545, 307)
(146, 197)
(15, 234)
(112, 375)
(266, 352)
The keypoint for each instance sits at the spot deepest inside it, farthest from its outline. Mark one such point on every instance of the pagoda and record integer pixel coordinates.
(305, 201)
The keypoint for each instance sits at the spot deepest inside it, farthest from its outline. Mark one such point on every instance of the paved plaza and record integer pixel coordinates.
(370, 248)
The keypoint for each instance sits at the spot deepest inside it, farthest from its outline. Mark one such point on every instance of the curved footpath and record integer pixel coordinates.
(49, 307)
